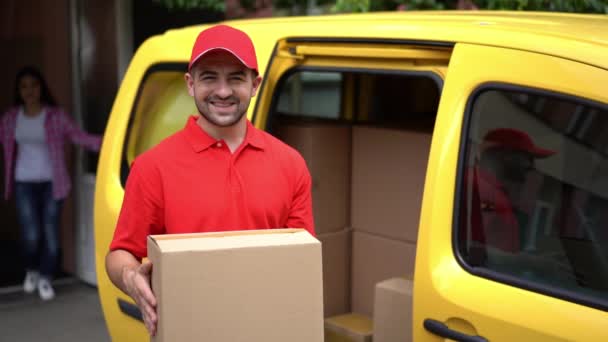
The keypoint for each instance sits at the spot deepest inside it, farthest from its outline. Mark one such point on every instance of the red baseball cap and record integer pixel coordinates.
(517, 140)
(226, 38)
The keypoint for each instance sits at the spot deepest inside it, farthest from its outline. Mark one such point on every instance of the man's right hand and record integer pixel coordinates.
(137, 283)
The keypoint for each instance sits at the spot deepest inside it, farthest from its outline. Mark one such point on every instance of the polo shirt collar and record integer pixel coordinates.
(254, 137)
(201, 140)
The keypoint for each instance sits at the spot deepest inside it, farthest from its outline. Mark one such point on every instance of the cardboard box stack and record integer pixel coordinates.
(388, 172)
(348, 328)
(336, 271)
(376, 259)
(263, 285)
(393, 311)
(327, 149)
(375, 177)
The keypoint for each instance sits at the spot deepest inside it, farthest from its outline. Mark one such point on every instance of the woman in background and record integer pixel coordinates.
(33, 134)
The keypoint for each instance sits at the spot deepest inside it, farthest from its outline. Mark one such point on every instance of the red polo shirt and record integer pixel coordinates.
(493, 221)
(191, 182)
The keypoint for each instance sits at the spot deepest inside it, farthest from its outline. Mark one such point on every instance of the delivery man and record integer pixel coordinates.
(218, 173)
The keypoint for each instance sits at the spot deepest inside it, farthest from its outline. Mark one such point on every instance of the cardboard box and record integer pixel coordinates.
(393, 311)
(349, 328)
(388, 173)
(326, 149)
(336, 271)
(376, 259)
(258, 285)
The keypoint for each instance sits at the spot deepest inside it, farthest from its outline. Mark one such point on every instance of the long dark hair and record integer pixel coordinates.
(46, 98)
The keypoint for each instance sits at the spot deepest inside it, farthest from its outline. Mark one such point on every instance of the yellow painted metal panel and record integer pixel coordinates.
(443, 290)
(373, 52)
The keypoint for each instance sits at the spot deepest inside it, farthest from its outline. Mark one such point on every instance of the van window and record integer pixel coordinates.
(160, 109)
(314, 94)
(534, 193)
(391, 99)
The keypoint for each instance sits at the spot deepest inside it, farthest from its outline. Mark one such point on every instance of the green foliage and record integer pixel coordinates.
(578, 6)
(388, 5)
(384, 5)
(425, 4)
(350, 6)
(212, 5)
(297, 3)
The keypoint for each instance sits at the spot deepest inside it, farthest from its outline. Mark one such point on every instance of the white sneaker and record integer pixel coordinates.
(31, 281)
(45, 290)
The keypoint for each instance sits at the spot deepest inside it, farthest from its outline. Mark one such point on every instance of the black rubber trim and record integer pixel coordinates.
(285, 76)
(130, 310)
(440, 329)
(124, 166)
(560, 293)
(371, 41)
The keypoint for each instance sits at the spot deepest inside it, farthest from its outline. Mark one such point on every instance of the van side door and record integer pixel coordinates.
(512, 238)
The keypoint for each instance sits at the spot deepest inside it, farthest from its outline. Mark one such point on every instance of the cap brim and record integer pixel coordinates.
(541, 152)
(200, 55)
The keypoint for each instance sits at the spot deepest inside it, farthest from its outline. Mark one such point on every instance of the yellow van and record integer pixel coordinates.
(396, 114)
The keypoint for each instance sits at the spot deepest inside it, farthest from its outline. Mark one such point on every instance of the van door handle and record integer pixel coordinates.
(440, 329)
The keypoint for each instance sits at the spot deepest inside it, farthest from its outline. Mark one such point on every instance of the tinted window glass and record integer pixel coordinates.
(534, 198)
(394, 100)
(161, 109)
(400, 101)
(313, 94)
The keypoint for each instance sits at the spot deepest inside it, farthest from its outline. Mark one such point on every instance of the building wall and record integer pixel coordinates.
(97, 46)
(36, 32)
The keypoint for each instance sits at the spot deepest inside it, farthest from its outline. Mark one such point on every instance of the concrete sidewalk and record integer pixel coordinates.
(74, 315)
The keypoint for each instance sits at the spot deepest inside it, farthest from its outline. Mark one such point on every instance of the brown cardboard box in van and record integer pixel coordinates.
(259, 285)
(336, 271)
(326, 149)
(376, 259)
(393, 310)
(350, 327)
(389, 169)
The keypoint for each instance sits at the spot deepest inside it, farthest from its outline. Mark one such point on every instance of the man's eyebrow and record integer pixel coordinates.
(207, 73)
(238, 73)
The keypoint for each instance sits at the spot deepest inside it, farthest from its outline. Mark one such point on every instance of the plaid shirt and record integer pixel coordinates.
(58, 127)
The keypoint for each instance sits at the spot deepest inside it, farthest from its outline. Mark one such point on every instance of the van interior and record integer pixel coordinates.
(366, 138)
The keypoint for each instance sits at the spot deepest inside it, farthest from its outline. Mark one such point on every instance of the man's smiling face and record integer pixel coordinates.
(222, 87)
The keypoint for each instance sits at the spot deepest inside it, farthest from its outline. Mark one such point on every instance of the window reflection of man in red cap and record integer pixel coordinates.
(507, 156)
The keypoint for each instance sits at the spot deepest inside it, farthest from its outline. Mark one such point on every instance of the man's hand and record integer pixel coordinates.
(137, 283)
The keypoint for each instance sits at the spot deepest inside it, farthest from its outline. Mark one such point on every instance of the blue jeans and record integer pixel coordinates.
(38, 213)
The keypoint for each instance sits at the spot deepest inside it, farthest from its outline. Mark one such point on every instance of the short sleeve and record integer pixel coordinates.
(142, 211)
(300, 213)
